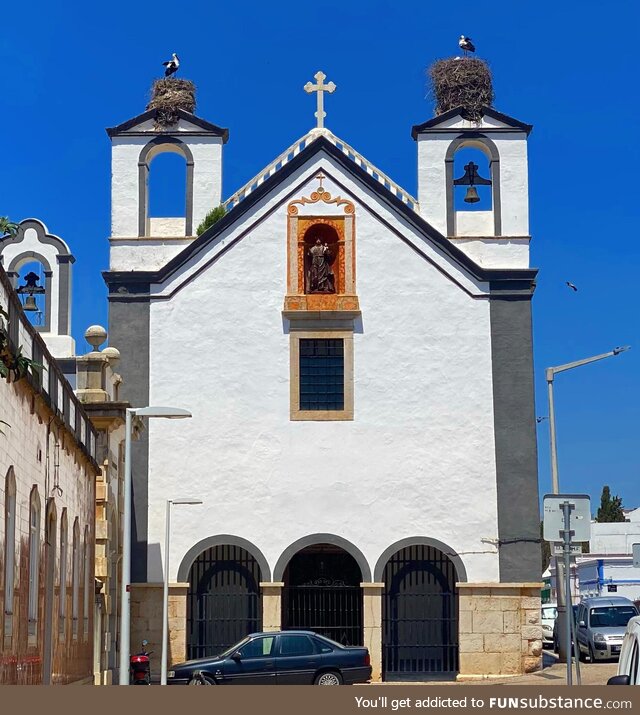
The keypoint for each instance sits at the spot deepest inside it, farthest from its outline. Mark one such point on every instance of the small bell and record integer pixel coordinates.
(472, 196)
(30, 304)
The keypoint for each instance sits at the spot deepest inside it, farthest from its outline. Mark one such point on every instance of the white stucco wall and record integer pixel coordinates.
(149, 254)
(614, 538)
(418, 459)
(495, 252)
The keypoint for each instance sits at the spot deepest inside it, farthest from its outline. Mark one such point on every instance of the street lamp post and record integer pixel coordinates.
(550, 374)
(125, 599)
(165, 593)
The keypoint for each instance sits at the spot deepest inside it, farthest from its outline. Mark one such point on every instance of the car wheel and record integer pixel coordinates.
(202, 679)
(581, 655)
(330, 678)
(592, 655)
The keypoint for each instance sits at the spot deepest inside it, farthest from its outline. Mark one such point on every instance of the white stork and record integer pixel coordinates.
(172, 65)
(466, 45)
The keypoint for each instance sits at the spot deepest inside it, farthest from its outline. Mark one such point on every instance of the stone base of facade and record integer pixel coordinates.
(146, 621)
(500, 630)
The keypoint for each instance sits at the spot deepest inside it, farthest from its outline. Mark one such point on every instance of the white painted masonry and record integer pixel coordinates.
(423, 389)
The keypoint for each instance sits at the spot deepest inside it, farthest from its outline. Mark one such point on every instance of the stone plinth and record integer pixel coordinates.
(500, 630)
(372, 625)
(271, 605)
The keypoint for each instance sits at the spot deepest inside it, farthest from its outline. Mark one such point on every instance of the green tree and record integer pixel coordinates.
(212, 217)
(7, 228)
(610, 507)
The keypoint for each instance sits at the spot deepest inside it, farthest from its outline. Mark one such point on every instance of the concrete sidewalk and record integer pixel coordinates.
(552, 673)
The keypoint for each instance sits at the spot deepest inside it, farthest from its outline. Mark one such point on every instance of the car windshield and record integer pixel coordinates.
(611, 616)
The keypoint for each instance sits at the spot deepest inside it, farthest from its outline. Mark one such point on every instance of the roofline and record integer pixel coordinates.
(504, 282)
(434, 123)
(210, 129)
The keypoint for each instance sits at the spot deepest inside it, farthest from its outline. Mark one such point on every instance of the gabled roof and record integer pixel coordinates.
(204, 127)
(435, 123)
(508, 280)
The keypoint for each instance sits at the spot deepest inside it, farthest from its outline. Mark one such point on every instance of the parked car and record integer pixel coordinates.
(602, 623)
(556, 635)
(628, 665)
(282, 658)
(548, 613)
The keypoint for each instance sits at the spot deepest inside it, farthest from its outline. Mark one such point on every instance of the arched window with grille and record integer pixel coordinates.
(34, 562)
(75, 579)
(9, 553)
(64, 549)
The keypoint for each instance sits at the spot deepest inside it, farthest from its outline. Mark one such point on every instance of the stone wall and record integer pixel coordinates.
(146, 622)
(500, 630)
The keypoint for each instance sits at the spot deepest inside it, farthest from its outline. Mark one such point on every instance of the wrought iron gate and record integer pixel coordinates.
(420, 613)
(323, 594)
(223, 602)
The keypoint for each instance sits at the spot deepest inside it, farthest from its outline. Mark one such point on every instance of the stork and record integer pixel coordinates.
(466, 45)
(172, 65)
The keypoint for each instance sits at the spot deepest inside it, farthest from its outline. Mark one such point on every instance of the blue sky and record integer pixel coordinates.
(71, 69)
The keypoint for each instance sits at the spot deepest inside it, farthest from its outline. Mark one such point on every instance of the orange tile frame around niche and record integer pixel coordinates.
(344, 264)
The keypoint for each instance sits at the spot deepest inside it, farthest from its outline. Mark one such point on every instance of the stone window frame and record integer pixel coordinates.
(295, 413)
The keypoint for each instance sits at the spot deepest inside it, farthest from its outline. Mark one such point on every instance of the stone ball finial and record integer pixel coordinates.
(113, 355)
(95, 335)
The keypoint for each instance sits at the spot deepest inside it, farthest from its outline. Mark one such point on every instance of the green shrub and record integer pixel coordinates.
(212, 217)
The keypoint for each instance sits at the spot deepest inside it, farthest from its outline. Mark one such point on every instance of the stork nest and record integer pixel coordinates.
(168, 95)
(461, 82)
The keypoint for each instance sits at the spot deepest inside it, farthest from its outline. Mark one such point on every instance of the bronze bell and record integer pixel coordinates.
(30, 304)
(472, 196)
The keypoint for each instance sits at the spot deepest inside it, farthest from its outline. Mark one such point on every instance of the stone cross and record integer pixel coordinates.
(320, 88)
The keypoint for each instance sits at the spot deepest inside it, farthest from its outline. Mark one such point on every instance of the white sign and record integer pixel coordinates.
(558, 549)
(636, 556)
(579, 517)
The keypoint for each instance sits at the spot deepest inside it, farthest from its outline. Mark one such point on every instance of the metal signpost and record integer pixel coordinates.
(636, 556)
(567, 519)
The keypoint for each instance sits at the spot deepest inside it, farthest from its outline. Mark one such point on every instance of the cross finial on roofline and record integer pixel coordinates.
(320, 88)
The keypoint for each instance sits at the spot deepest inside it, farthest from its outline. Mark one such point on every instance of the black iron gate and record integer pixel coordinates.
(223, 603)
(323, 594)
(419, 613)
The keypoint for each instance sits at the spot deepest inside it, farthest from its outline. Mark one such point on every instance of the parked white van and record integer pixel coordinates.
(629, 663)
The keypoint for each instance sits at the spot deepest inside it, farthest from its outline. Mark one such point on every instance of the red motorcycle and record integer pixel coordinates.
(140, 666)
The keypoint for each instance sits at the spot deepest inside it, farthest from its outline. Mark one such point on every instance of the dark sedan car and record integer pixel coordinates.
(278, 658)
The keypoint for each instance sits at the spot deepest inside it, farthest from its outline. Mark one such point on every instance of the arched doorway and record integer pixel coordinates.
(322, 593)
(419, 613)
(223, 601)
(49, 591)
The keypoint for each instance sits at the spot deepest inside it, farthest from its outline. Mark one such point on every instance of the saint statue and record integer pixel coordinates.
(321, 278)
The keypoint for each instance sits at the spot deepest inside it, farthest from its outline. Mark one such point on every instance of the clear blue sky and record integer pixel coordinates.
(69, 70)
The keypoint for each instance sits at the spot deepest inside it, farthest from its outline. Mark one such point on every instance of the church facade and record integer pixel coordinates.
(358, 364)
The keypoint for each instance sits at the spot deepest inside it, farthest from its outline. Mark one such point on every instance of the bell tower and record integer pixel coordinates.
(138, 241)
(39, 267)
(472, 169)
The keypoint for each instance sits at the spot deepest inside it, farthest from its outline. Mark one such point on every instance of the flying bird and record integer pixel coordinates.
(539, 419)
(571, 286)
(466, 45)
(172, 65)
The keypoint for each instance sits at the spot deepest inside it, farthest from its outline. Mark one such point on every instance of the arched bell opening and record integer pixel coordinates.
(322, 593)
(473, 187)
(168, 186)
(419, 613)
(32, 279)
(472, 182)
(321, 259)
(223, 602)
